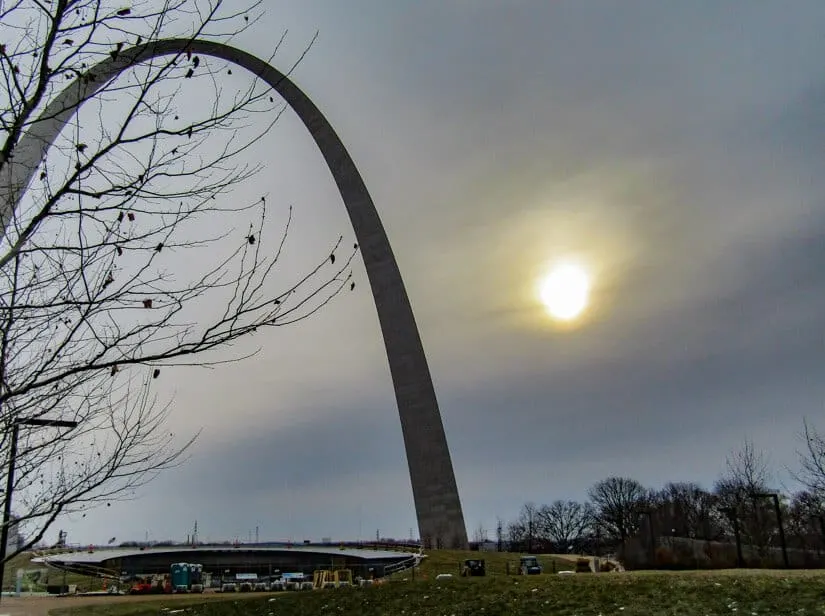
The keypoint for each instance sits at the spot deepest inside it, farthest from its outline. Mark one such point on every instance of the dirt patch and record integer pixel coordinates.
(41, 606)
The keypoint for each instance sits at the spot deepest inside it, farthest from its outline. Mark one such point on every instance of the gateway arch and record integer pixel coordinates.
(435, 493)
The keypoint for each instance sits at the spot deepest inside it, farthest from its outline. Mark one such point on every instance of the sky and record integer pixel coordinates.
(674, 148)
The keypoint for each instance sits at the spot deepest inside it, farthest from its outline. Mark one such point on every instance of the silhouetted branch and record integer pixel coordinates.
(130, 251)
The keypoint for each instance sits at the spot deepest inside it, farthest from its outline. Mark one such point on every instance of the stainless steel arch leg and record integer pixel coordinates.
(437, 504)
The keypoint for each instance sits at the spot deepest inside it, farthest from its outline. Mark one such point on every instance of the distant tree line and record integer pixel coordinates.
(744, 519)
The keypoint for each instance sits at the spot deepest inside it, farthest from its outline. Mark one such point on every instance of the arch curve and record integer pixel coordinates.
(435, 493)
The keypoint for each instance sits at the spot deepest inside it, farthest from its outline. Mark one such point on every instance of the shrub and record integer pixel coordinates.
(665, 558)
(684, 556)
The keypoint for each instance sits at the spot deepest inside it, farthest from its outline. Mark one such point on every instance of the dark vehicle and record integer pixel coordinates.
(473, 567)
(529, 565)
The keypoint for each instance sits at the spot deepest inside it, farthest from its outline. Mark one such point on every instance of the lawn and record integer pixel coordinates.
(620, 594)
(450, 561)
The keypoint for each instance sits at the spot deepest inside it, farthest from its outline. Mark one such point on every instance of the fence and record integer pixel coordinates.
(685, 553)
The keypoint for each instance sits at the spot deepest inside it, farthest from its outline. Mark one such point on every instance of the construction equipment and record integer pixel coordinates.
(141, 586)
(324, 578)
(321, 578)
(529, 565)
(473, 567)
(342, 578)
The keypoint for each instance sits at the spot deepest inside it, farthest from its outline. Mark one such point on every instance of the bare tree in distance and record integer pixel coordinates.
(564, 523)
(684, 509)
(811, 471)
(747, 468)
(480, 534)
(528, 519)
(747, 472)
(516, 534)
(523, 532)
(618, 502)
(133, 250)
(806, 520)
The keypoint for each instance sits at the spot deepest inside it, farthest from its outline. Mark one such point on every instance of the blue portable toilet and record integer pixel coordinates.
(180, 577)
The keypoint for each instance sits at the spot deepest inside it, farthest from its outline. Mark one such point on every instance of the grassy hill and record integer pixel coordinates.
(52, 576)
(450, 561)
(621, 594)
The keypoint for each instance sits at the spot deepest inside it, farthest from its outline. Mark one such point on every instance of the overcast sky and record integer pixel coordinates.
(673, 147)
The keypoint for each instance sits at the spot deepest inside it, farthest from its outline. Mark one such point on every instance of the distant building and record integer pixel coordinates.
(227, 561)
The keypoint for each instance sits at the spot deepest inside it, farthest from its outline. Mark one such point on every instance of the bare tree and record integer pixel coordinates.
(806, 520)
(522, 533)
(618, 502)
(564, 523)
(480, 534)
(517, 535)
(747, 468)
(684, 509)
(131, 251)
(528, 519)
(746, 475)
(812, 460)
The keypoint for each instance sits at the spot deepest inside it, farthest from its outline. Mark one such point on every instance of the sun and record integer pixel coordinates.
(565, 291)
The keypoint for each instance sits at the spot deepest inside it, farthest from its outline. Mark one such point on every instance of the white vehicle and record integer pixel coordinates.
(293, 581)
(229, 587)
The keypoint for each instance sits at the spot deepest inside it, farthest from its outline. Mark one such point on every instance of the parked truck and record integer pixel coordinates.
(529, 565)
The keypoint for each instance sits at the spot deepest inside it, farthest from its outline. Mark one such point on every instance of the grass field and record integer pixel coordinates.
(622, 594)
(450, 561)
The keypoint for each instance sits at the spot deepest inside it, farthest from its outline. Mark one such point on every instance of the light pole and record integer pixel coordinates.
(778, 511)
(822, 526)
(15, 433)
(733, 516)
(652, 534)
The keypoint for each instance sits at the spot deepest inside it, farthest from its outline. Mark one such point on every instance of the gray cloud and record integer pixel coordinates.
(675, 146)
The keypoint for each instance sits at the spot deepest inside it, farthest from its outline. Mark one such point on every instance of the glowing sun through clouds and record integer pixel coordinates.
(565, 291)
